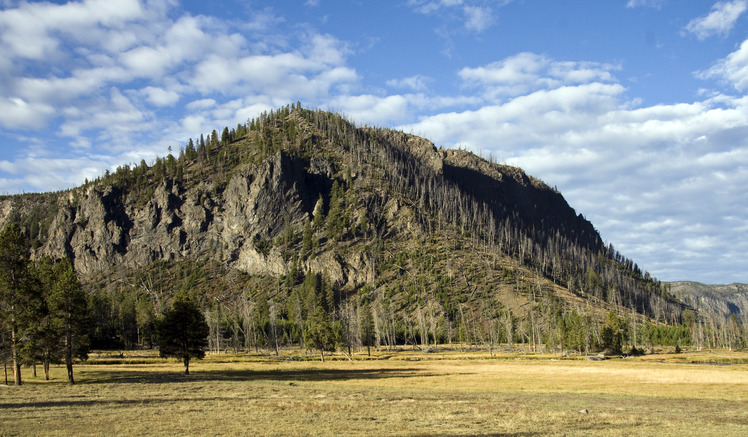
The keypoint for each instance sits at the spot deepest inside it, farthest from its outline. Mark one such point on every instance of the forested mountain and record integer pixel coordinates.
(722, 307)
(397, 241)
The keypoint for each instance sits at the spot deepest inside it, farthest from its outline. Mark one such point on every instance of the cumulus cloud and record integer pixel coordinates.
(28, 31)
(17, 113)
(719, 21)
(160, 96)
(309, 72)
(733, 69)
(526, 72)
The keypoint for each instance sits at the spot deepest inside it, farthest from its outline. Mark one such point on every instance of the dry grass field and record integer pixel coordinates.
(391, 393)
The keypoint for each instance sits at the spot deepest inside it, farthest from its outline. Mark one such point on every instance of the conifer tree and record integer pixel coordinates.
(70, 314)
(183, 331)
(320, 332)
(15, 293)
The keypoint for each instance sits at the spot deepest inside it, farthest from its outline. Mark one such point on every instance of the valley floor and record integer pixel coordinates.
(444, 392)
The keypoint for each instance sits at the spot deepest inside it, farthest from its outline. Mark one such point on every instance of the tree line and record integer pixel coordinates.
(46, 314)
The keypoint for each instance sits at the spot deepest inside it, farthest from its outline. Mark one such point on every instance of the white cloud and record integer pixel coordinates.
(309, 73)
(474, 16)
(526, 72)
(160, 96)
(116, 118)
(17, 113)
(373, 109)
(720, 20)
(733, 69)
(415, 83)
(28, 31)
(656, 4)
(201, 104)
(477, 18)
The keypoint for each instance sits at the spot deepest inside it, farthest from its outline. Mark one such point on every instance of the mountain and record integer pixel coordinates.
(301, 207)
(722, 300)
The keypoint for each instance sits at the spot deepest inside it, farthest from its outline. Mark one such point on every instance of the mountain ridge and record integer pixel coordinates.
(374, 214)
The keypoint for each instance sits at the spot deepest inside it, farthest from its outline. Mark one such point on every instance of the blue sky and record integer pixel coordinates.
(635, 109)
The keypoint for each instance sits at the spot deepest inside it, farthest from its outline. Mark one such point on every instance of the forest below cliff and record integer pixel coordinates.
(393, 240)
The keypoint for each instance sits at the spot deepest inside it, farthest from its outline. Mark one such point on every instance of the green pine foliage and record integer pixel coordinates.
(183, 331)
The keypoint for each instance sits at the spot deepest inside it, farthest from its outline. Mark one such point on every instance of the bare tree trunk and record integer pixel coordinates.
(14, 354)
(69, 358)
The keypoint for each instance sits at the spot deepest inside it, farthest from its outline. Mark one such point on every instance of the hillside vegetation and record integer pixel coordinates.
(397, 241)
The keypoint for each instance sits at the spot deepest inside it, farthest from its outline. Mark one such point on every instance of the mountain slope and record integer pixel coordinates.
(303, 207)
(723, 300)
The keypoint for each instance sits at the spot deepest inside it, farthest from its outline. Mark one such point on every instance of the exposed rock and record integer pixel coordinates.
(235, 214)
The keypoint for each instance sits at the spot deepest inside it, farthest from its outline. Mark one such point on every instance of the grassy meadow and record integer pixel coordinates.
(444, 392)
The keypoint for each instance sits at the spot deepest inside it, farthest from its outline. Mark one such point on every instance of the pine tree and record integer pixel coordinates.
(46, 336)
(15, 293)
(612, 334)
(70, 314)
(320, 332)
(183, 331)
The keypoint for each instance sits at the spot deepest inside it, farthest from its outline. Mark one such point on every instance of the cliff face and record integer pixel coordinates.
(106, 227)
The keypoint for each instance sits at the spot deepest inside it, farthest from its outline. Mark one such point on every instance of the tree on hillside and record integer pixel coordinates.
(613, 334)
(69, 312)
(183, 331)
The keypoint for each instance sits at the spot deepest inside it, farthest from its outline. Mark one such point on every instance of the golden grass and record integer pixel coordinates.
(395, 393)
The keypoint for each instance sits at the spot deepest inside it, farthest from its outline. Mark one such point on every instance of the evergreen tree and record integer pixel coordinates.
(70, 314)
(15, 293)
(612, 334)
(46, 337)
(320, 332)
(189, 152)
(183, 331)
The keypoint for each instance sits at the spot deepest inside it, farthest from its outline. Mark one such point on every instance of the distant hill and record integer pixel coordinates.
(725, 300)
(299, 208)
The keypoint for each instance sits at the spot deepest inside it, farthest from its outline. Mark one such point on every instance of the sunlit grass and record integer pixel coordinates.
(391, 393)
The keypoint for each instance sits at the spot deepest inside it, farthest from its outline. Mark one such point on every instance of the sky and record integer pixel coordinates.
(636, 110)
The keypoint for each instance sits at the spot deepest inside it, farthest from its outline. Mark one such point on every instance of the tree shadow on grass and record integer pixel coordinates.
(313, 375)
(63, 403)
